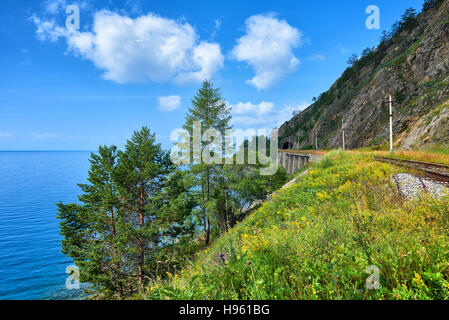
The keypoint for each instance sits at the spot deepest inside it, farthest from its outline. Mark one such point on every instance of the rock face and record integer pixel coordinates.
(412, 65)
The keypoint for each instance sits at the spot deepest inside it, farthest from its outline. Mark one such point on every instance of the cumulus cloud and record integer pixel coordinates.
(268, 47)
(169, 103)
(135, 50)
(6, 135)
(47, 30)
(264, 114)
(249, 114)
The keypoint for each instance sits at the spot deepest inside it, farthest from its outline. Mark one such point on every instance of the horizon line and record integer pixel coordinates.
(48, 150)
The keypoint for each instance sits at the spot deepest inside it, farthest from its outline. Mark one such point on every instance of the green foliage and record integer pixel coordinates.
(138, 218)
(353, 59)
(429, 4)
(243, 185)
(90, 230)
(141, 175)
(437, 111)
(438, 148)
(409, 20)
(134, 213)
(209, 109)
(315, 239)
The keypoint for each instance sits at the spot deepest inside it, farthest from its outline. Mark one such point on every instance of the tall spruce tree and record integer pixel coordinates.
(208, 107)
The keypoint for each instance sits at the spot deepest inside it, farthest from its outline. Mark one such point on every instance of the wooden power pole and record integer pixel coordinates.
(343, 134)
(316, 139)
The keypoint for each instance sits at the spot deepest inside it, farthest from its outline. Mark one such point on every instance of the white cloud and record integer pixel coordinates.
(55, 6)
(217, 26)
(263, 114)
(286, 113)
(48, 30)
(249, 114)
(267, 47)
(169, 103)
(136, 50)
(6, 135)
(260, 109)
(135, 6)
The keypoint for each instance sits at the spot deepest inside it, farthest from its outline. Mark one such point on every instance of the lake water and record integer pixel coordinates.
(31, 183)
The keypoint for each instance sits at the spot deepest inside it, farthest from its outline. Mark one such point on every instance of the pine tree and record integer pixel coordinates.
(352, 60)
(90, 230)
(141, 173)
(408, 19)
(209, 108)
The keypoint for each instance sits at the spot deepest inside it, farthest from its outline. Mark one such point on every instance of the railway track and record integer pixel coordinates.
(432, 170)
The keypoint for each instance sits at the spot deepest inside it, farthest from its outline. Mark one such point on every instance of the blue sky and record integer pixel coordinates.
(135, 63)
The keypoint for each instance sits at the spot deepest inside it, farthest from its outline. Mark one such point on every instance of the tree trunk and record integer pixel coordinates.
(207, 230)
(114, 248)
(141, 224)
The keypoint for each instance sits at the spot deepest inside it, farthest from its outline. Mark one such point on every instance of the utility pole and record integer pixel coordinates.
(343, 134)
(391, 123)
(316, 139)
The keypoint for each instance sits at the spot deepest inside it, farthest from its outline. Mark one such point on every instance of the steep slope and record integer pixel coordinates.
(317, 238)
(412, 64)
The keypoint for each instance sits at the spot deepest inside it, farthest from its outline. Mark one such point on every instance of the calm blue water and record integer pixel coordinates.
(31, 183)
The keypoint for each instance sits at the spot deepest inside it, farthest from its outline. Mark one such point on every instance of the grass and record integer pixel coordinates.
(437, 148)
(317, 238)
(433, 154)
(437, 111)
(312, 152)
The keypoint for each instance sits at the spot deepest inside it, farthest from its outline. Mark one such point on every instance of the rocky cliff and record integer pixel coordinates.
(412, 64)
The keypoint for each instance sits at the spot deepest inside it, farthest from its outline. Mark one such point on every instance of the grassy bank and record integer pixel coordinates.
(424, 156)
(315, 240)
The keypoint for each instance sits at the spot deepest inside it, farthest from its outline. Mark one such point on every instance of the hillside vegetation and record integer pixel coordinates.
(411, 63)
(316, 239)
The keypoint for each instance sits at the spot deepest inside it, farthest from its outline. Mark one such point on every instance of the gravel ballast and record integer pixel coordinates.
(411, 186)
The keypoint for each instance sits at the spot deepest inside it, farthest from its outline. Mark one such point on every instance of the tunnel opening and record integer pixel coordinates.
(287, 146)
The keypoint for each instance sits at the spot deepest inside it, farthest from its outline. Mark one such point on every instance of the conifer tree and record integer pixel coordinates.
(208, 107)
(134, 212)
(408, 19)
(90, 230)
(141, 173)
